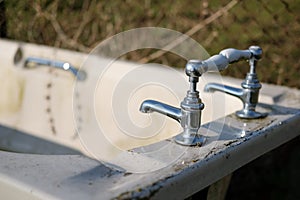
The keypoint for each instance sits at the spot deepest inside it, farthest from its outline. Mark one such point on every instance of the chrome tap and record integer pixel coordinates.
(250, 88)
(189, 113)
(189, 116)
(32, 62)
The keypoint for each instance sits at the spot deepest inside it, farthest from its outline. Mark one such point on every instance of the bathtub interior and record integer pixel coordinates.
(51, 105)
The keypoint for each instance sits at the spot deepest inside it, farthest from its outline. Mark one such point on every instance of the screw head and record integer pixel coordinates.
(191, 68)
(256, 51)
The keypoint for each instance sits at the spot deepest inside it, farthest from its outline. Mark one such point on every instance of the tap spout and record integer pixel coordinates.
(32, 62)
(149, 106)
(213, 87)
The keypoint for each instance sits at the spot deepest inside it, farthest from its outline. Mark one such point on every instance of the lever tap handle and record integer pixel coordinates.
(234, 55)
(196, 68)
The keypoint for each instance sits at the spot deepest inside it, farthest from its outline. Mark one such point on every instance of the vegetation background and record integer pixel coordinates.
(216, 24)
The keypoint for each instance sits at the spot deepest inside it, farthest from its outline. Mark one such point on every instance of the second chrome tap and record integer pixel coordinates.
(249, 92)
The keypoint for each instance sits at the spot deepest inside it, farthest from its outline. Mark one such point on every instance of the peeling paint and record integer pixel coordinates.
(141, 193)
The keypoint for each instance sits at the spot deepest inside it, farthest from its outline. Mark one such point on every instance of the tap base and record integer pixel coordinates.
(250, 114)
(190, 140)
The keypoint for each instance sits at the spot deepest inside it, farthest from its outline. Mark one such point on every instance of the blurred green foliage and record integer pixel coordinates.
(82, 24)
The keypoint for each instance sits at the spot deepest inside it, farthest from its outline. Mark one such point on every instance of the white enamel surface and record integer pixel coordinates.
(23, 103)
(23, 106)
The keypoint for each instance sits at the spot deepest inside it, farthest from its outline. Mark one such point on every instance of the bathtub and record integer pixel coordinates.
(49, 141)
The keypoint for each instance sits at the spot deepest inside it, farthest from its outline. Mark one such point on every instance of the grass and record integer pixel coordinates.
(274, 25)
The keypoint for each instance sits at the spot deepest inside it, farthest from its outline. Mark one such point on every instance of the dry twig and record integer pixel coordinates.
(190, 32)
(59, 31)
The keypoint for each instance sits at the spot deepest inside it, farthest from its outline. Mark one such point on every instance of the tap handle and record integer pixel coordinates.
(196, 68)
(234, 55)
